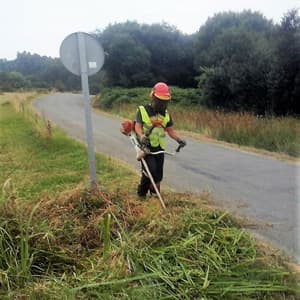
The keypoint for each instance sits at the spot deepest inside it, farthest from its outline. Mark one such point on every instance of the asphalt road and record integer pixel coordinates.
(257, 187)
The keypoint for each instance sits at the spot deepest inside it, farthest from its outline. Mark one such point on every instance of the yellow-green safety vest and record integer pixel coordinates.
(157, 136)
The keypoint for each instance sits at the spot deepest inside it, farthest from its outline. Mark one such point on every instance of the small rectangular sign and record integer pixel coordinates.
(92, 64)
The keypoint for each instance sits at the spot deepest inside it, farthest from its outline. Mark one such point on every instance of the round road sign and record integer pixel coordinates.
(70, 53)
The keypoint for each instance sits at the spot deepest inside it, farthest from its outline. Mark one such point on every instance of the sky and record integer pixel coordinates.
(39, 26)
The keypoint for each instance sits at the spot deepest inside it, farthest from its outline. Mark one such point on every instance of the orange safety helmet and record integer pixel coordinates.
(161, 91)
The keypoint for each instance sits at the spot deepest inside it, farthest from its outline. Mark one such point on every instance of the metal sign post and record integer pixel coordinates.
(87, 109)
(82, 55)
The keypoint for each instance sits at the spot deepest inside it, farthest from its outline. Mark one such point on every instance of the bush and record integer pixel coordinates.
(113, 97)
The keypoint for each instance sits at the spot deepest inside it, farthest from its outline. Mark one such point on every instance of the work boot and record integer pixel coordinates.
(142, 197)
(152, 190)
(141, 192)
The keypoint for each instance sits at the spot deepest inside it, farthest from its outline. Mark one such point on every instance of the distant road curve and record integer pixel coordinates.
(254, 186)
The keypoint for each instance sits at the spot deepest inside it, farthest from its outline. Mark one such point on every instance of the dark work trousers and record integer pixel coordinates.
(155, 164)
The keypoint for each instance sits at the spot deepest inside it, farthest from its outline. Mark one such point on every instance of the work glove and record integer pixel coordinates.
(181, 142)
(145, 141)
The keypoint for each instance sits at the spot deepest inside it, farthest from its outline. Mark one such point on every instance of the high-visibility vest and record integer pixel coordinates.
(156, 127)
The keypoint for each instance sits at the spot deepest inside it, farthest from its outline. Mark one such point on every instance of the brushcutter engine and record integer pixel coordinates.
(127, 127)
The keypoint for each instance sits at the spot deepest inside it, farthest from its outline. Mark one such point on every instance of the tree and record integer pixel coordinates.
(128, 62)
(247, 21)
(13, 81)
(234, 61)
(147, 53)
(284, 87)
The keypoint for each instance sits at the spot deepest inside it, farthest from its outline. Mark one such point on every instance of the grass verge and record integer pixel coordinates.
(60, 241)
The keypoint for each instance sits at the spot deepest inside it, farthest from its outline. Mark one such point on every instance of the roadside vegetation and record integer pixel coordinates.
(276, 134)
(60, 241)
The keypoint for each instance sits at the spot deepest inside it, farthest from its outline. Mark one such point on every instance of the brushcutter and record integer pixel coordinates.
(128, 129)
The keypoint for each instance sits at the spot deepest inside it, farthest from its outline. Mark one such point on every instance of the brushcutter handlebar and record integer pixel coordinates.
(179, 147)
(142, 151)
(166, 152)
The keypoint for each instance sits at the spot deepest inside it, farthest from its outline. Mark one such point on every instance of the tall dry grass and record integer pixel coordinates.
(275, 134)
(278, 134)
(270, 133)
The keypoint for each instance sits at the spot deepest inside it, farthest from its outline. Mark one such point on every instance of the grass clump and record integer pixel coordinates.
(59, 240)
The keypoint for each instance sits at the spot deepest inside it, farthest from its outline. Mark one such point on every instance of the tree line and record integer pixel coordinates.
(235, 61)
(34, 71)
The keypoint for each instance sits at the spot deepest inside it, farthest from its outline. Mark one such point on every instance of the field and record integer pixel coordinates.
(274, 134)
(58, 240)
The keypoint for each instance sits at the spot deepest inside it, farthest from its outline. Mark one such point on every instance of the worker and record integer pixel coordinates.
(152, 121)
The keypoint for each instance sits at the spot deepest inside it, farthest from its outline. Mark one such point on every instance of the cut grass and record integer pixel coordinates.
(60, 241)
